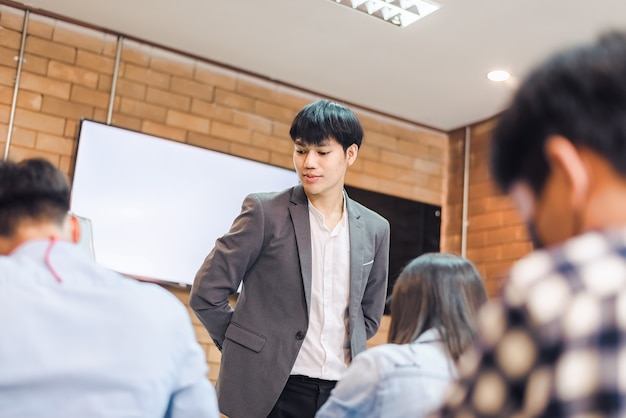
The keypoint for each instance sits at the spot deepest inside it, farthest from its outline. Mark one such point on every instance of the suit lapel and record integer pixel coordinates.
(299, 211)
(357, 238)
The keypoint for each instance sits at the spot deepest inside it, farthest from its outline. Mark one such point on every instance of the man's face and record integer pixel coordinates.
(322, 168)
(549, 216)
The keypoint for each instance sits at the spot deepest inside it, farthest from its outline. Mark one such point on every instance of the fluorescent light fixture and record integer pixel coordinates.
(498, 75)
(397, 12)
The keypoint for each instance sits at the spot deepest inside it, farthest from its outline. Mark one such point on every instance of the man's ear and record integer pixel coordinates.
(564, 157)
(351, 153)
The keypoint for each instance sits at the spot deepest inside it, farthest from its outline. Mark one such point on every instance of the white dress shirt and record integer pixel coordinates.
(325, 349)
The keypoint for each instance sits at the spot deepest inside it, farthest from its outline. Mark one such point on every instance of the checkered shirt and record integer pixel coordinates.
(554, 345)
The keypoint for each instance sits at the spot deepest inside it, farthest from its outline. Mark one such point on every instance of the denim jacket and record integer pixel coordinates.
(394, 380)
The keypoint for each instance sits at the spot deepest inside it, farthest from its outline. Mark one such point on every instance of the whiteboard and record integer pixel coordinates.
(157, 206)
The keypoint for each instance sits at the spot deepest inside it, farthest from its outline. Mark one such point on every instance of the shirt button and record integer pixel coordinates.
(299, 335)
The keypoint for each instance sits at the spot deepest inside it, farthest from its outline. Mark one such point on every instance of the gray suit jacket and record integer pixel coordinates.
(269, 248)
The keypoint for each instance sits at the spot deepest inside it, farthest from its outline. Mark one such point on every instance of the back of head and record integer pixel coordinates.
(440, 291)
(324, 119)
(32, 190)
(579, 94)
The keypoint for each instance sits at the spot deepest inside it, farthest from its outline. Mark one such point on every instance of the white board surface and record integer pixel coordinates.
(157, 206)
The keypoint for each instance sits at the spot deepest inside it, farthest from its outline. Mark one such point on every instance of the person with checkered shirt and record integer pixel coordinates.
(554, 343)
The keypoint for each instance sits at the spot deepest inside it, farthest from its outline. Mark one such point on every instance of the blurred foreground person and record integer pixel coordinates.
(556, 344)
(78, 340)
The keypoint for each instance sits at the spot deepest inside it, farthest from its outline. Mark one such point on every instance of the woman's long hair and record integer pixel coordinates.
(440, 291)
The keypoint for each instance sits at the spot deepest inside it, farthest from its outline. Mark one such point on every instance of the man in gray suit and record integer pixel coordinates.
(314, 267)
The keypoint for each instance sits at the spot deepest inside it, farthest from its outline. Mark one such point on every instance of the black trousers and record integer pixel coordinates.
(302, 397)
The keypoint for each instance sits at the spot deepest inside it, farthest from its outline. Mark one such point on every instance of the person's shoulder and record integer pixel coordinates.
(150, 295)
(387, 354)
(8, 266)
(577, 256)
(369, 214)
(269, 197)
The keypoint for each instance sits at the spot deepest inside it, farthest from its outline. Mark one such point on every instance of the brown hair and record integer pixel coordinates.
(440, 291)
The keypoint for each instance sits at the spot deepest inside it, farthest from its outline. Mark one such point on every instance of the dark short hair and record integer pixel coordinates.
(324, 119)
(32, 189)
(441, 291)
(578, 93)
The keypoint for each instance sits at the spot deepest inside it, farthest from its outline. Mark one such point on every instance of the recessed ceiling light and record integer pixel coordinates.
(397, 12)
(498, 75)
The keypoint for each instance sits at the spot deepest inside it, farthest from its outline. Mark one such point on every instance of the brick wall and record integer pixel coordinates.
(67, 74)
(496, 236)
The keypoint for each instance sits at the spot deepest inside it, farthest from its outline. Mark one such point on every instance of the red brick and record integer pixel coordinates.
(171, 63)
(80, 37)
(275, 112)
(63, 108)
(132, 89)
(49, 49)
(375, 139)
(230, 99)
(90, 97)
(234, 133)
(35, 64)
(167, 99)
(55, 144)
(72, 74)
(10, 38)
(8, 57)
(39, 84)
(187, 121)
(192, 88)
(126, 121)
(95, 62)
(272, 143)
(215, 76)
(40, 26)
(256, 88)
(208, 142)
(71, 128)
(17, 153)
(164, 131)
(105, 83)
(292, 98)
(39, 122)
(22, 137)
(212, 111)
(11, 19)
(281, 129)
(142, 110)
(147, 76)
(281, 160)
(253, 122)
(251, 153)
(135, 53)
(28, 100)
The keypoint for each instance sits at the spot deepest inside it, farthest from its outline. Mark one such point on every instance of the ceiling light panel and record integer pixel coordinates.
(397, 12)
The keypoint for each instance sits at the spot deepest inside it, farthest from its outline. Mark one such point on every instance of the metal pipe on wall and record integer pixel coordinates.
(20, 60)
(118, 53)
(466, 167)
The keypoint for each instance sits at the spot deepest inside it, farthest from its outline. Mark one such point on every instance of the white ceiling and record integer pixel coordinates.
(432, 72)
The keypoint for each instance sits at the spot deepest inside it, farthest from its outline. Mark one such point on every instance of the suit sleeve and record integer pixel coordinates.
(225, 267)
(373, 303)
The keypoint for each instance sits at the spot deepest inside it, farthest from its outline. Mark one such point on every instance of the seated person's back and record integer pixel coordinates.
(79, 340)
(433, 307)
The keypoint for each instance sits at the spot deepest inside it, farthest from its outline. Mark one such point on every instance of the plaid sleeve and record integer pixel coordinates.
(504, 375)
